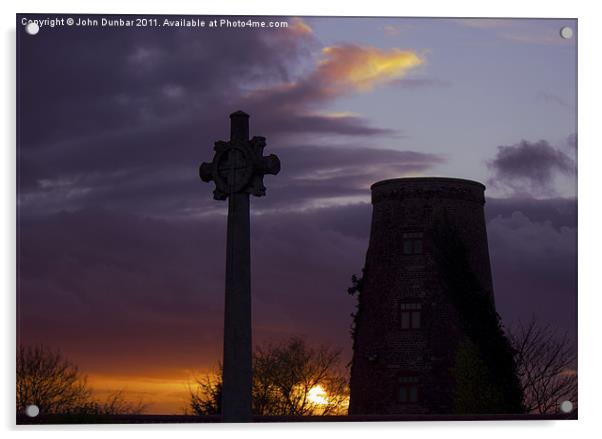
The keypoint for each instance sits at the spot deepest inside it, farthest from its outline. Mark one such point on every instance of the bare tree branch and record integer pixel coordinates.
(48, 380)
(547, 366)
(284, 374)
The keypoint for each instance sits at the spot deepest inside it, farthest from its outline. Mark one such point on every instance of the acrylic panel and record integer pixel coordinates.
(258, 219)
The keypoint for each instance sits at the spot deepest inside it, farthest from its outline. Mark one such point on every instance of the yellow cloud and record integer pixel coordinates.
(343, 70)
(361, 68)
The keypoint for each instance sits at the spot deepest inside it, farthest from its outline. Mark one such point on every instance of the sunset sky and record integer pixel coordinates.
(121, 247)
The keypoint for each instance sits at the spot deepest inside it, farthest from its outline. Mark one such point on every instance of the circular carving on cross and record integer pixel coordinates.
(239, 164)
(233, 168)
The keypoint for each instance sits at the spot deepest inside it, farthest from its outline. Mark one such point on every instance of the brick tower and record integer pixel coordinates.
(407, 328)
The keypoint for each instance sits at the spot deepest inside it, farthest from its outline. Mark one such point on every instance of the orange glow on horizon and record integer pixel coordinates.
(168, 395)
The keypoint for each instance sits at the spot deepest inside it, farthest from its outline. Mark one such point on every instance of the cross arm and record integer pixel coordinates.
(206, 171)
(270, 164)
(265, 165)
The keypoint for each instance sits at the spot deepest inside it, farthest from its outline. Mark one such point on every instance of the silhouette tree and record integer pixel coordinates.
(53, 383)
(48, 380)
(286, 379)
(486, 346)
(356, 288)
(546, 364)
(474, 391)
(206, 399)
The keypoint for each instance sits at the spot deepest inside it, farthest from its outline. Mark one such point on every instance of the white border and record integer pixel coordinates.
(589, 205)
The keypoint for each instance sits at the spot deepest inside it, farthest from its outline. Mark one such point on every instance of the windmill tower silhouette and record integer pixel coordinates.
(408, 329)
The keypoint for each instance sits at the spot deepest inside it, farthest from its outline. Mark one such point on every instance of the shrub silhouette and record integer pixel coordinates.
(53, 383)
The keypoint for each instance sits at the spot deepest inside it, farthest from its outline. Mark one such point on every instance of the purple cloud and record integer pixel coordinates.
(534, 265)
(572, 141)
(528, 166)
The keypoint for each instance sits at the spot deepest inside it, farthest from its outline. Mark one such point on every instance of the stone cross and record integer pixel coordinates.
(237, 169)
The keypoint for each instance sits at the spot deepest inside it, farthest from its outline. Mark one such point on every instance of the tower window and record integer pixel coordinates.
(412, 243)
(410, 315)
(408, 389)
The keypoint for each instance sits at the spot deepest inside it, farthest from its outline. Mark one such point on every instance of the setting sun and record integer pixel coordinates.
(317, 395)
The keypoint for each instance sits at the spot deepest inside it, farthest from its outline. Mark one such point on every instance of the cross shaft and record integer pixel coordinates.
(237, 169)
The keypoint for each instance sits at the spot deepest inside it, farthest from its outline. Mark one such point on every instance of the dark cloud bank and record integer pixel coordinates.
(114, 279)
(121, 248)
